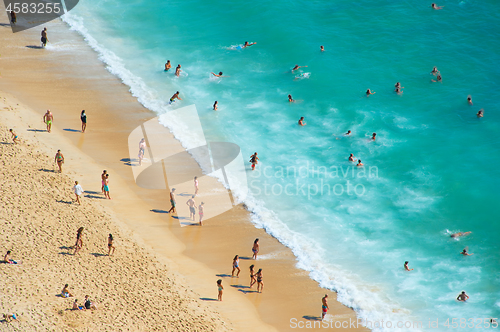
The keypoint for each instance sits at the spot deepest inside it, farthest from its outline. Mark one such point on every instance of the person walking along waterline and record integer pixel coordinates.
(48, 117)
(83, 118)
(255, 248)
(324, 306)
(260, 281)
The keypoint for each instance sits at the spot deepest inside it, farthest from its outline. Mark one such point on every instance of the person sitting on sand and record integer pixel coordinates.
(434, 6)
(65, 291)
(174, 97)
(111, 247)
(48, 117)
(9, 317)
(438, 78)
(7, 258)
(369, 92)
(236, 266)
(462, 297)
(459, 234)
(297, 67)
(220, 289)
(246, 44)
(78, 190)
(15, 138)
(219, 74)
(465, 252)
(359, 163)
(168, 65)
(352, 158)
(255, 248)
(290, 99)
(480, 113)
(406, 267)
(59, 159)
(178, 70)
(469, 99)
(301, 121)
(76, 306)
(88, 304)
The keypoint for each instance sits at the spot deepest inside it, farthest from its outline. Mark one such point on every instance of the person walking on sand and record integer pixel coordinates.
(168, 65)
(65, 291)
(13, 17)
(15, 138)
(255, 248)
(406, 267)
(83, 118)
(103, 180)
(48, 118)
(172, 200)
(44, 38)
(236, 266)
(195, 185)
(78, 190)
(216, 105)
(59, 159)
(324, 306)
(254, 160)
(192, 207)
(111, 247)
(106, 187)
(462, 297)
(260, 282)
(142, 149)
(200, 211)
(220, 288)
(178, 70)
(252, 276)
(174, 97)
(79, 240)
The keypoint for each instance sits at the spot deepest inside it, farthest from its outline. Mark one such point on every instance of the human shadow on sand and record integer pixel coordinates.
(72, 130)
(224, 275)
(96, 254)
(311, 317)
(66, 253)
(245, 258)
(47, 170)
(207, 299)
(92, 192)
(38, 130)
(7, 143)
(127, 161)
(34, 47)
(65, 202)
(158, 211)
(94, 196)
(240, 286)
(66, 247)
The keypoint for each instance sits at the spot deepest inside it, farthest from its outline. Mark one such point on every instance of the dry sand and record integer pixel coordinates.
(38, 79)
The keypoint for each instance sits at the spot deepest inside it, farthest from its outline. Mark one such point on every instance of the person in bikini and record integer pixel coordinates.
(111, 247)
(178, 70)
(236, 266)
(59, 159)
(253, 280)
(65, 291)
(220, 289)
(79, 240)
(255, 248)
(83, 118)
(406, 267)
(260, 282)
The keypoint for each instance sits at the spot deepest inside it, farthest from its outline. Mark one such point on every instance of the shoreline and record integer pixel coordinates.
(73, 88)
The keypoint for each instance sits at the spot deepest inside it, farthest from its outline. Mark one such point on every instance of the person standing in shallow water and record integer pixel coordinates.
(462, 297)
(168, 65)
(44, 38)
(406, 267)
(254, 160)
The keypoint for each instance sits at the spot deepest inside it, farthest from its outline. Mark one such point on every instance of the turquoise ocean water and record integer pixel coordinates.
(432, 171)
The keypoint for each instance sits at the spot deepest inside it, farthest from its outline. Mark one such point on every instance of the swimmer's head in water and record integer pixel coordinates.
(220, 73)
(406, 263)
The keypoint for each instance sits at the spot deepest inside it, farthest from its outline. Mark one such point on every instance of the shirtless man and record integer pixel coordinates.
(459, 234)
(174, 97)
(219, 74)
(247, 44)
(172, 200)
(359, 163)
(462, 297)
(254, 160)
(15, 139)
(324, 306)
(406, 267)
(168, 65)
(435, 71)
(297, 67)
(322, 48)
(192, 207)
(301, 122)
(44, 38)
(48, 118)
(469, 99)
(480, 113)
(352, 158)
(103, 180)
(216, 105)
(465, 252)
(178, 70)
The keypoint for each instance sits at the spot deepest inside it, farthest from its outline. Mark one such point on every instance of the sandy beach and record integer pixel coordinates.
(163, 275)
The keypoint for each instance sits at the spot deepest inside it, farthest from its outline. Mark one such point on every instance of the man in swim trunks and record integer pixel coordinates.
(324, 307)
(172, 200)
(15, 139)
(48, 118)
(462, 297)
(254, 160)
(192, 207)
(44, 38)
(174, 97)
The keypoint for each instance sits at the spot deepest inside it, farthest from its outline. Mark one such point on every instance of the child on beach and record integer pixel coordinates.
(78, 190)
(15, 139)
(195, 185)
(220, 288)
(200, 211)
(236, 266)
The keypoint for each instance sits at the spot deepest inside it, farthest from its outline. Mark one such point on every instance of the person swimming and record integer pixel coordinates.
(465, 252)
(290, 99)
(374, 135)
(352, 158)
(168, 65)
(434, 6)
(369, 92)
(297, 67)
(322, 48)
(459, 234)
(248, 44)
(348, 133)
(215, 105)
(406, 267)
(301, 121)
(398, 88)
(462, 297)
(174, 97)
(438, 78)
(480, 113)
(219, 74)
(469, 99)
(434, 71)
(359, 163)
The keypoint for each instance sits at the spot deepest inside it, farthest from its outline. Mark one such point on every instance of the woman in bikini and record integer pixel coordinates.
(236, 266)
(260, 283)
(59, 159)
(110, 245)
(255, 248)
(252, 276)
(220, 288)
